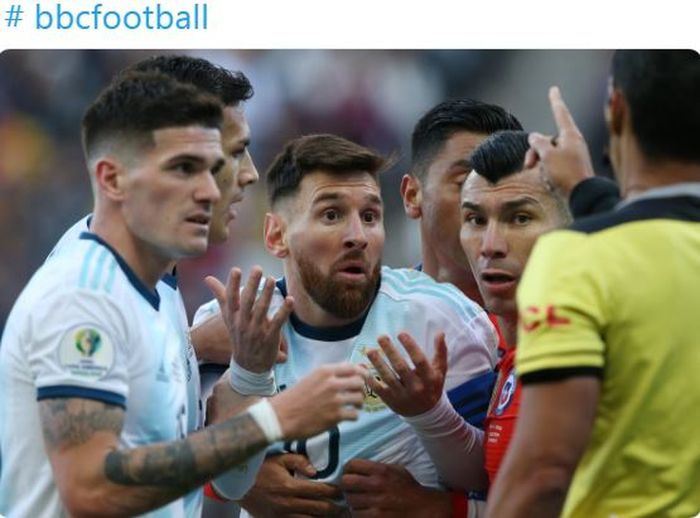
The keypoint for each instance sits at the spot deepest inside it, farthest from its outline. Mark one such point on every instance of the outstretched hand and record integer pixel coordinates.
(255, 336)
(409, 391)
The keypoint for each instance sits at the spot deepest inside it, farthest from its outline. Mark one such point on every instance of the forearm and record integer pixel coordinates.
(96, 478)
(531, 492)
(152, 475)
(454, 446)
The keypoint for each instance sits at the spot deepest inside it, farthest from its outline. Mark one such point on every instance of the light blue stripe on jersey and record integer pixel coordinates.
(87, 261)
(109, 284)
(99, 267)
(404, 285)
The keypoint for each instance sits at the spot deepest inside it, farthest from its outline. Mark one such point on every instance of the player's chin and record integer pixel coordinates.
(193, 247)
(218, 235)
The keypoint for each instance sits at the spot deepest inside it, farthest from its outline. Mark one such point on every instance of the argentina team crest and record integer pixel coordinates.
(372, 402)
(86, 352)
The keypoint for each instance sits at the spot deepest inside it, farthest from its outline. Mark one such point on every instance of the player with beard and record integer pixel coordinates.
(326, 225)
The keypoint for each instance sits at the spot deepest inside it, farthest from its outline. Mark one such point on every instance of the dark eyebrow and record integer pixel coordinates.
(464, 162)
(185, 157)
(473, 206)
(509, 205)
(521, 202)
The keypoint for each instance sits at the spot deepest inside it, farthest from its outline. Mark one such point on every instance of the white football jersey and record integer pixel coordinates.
(86, 327)
(407, 300)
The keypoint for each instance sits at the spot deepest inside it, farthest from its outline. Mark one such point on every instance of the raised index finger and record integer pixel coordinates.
(562, 115)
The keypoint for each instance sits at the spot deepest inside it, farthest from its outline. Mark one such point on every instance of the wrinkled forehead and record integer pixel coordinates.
(352, 185)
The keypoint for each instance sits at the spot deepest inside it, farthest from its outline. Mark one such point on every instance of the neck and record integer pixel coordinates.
(148, 265)
(639, 173)
(509, 329)
(446, 271)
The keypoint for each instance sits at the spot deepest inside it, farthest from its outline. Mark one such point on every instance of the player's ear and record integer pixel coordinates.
(276, 235)
(109, 178)
(412, 196)
(615, 111)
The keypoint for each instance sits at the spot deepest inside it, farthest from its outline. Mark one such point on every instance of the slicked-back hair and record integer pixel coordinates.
(449, 117)
(134, 105)
(503, 154)
(500, 155)
(662, 89)
(232, 88)
(328, 153)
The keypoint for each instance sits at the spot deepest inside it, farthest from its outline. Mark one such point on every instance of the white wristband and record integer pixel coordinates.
(248, 383)
(266, 418)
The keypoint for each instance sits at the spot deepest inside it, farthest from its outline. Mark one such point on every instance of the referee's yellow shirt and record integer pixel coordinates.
(618, 296)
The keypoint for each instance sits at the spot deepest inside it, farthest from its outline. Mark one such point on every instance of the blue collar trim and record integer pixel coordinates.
(151, 296)
(324, 334)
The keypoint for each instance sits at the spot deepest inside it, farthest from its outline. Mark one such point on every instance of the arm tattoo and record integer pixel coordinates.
(187, 463)
(71, 422)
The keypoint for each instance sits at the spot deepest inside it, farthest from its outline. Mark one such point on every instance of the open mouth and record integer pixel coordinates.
(499, 283)
(497, 278)
(199, 219)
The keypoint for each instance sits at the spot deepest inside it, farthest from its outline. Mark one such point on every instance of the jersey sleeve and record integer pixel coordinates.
(563, 303)
(78, 348)
(472, 343)
(205, 312)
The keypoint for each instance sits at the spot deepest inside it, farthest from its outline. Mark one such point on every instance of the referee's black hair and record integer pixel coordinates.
(662, 89)
(231, 87)
(500, 155)
(447, 118)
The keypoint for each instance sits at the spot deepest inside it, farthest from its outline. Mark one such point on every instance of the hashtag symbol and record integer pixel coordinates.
(14, 15)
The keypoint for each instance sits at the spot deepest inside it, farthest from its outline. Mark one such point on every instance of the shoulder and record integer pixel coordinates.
(71, 235)
(422, 291)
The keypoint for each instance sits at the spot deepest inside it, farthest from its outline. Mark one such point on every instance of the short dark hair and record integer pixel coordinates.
(447, 118)
(662, 89)
(503, 154)
(327, 153)
(232, 88)
(500, 155)
(134, 105)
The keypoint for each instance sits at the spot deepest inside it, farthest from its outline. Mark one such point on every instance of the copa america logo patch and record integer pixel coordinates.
(86, 352)
(506, 394)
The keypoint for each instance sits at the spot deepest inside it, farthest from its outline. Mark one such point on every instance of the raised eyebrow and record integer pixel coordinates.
(375, 200)
(463, 162)
(521, 202)
(473, 206)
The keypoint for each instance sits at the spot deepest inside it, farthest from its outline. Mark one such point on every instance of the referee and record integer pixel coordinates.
(609, 337)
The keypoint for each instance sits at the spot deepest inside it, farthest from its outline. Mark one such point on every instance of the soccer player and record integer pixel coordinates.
(237, 173)
(505, 209)
(326, 225)
(608, 349)
(89, 359)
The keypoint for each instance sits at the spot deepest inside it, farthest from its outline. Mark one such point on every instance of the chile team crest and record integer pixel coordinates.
(506, 395)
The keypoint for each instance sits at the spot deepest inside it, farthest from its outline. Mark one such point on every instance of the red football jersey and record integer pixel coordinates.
(502, 346)
(503, 411)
